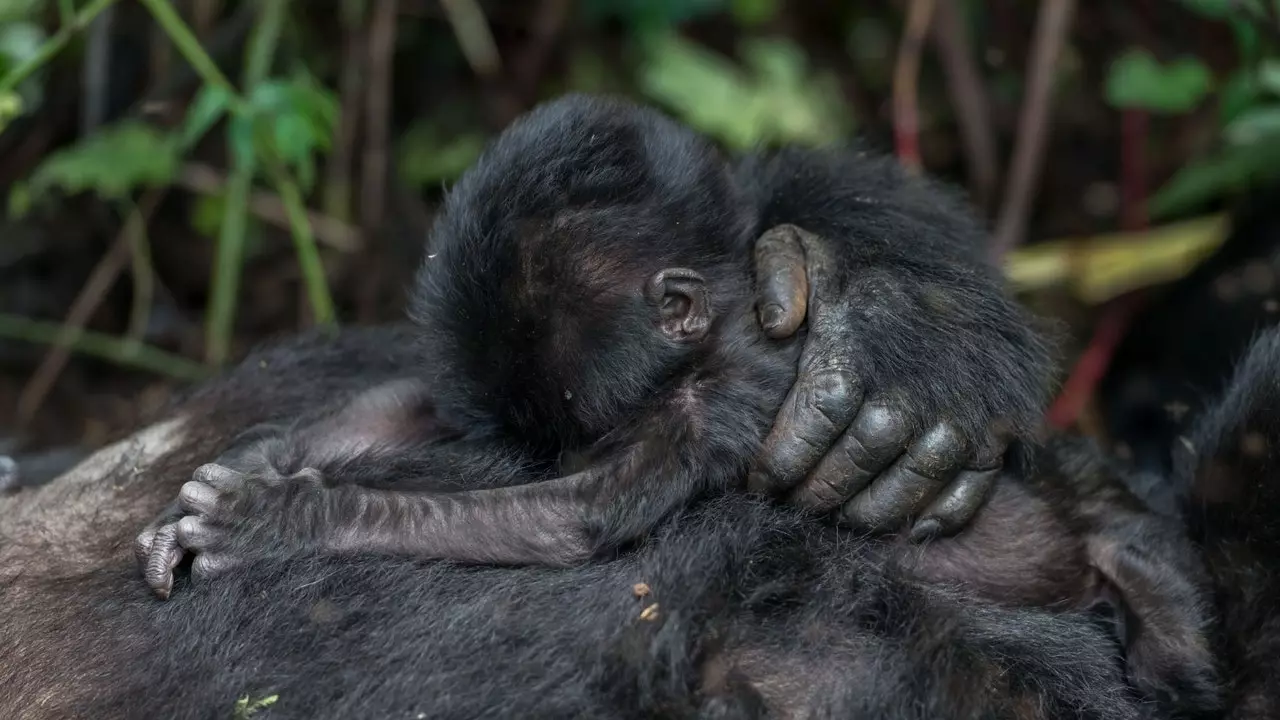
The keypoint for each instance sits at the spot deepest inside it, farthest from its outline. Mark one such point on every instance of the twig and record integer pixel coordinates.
(373, 166)
(229, 260)
(268, 207)
(104, 275)
(96, 69)
(544, 29)
(382, 32)
(906, 73)
(53, 45)
(189, 46)
(135, 229)
(107, 347)
(305, 246)
(1052, 28)
(203, 15)
(969, 98)
(474, 36)
(337, 184)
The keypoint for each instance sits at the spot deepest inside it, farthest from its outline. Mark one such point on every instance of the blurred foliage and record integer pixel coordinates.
(1248, 97)
(113, 162)
(747, 73)
(774, 100)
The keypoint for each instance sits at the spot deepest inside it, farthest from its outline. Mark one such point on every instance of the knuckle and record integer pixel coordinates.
(880, 427)
(192, 491)
(835, 388)
(188, 528)
(207, 472)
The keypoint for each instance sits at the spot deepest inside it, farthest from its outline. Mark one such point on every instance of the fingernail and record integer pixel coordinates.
(771, 316)
(925, 529)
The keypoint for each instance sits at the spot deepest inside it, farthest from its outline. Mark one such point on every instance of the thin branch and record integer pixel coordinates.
(119, 351)
(906, 75)
(135, 229)
(338, 170)
(1052, 27)
(96, 69)
(474, 36)
(970, 100)
(53, 45)
(100, 281)
(268, 207)
(382, 33)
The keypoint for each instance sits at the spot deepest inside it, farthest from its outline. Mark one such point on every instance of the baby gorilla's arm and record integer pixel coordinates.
(226, 515)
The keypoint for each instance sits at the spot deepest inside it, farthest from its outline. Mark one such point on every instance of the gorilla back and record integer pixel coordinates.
(745, 610)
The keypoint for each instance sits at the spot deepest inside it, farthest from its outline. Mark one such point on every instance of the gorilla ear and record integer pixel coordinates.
(683, 303)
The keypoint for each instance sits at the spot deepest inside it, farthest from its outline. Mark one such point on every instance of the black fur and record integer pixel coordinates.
(1230, 466)
(756, 607)
(548, 327)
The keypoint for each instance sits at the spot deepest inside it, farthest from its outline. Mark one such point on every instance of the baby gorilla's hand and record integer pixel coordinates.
(223, 517)
(910, 388)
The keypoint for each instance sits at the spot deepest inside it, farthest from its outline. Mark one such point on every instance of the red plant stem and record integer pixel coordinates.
(1092, 365)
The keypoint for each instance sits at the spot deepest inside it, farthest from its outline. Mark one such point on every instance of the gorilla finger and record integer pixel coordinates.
(142, 545)
(958, 503)
(217, 476)
(875, 439)
(165, 556)
(198, 498)
(912, 481)
(817, 410)
(783, 287)
(210, 566)
(198, 535)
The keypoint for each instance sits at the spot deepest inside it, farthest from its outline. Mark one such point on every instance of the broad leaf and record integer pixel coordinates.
(209, 107)
(426, 156)
(111, 162)
(1137, 80)
(1231, 171)
(776, 103)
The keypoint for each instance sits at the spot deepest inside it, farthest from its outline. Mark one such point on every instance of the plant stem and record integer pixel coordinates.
(135, 228)
(116, 350)
(189, 46)
(53, 45)
(305, 245)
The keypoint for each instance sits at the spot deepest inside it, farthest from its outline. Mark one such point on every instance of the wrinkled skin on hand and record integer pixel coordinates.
(223, 516)
(851, 437)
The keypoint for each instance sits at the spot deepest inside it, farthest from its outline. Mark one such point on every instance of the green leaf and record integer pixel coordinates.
(10, 108)
(19, 42)
(15, 10)
(426, 157)
(1269, 76)
(1137, 80)
(240, 139)
(206, 214)
(773, 100)
(1217, 9)
(750, 13)
(111, 162)
(650, 15)
(1239, 93)
(19, 200)
(209, 107)
(1255, 126)
(1229, 172)
(294, 119)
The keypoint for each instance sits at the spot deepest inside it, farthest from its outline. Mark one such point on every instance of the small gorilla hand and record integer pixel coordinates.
(223, 516)
(887, 420)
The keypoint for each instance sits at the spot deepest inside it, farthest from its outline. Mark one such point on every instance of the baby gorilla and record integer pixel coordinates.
(605, 309)
(589, 296)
